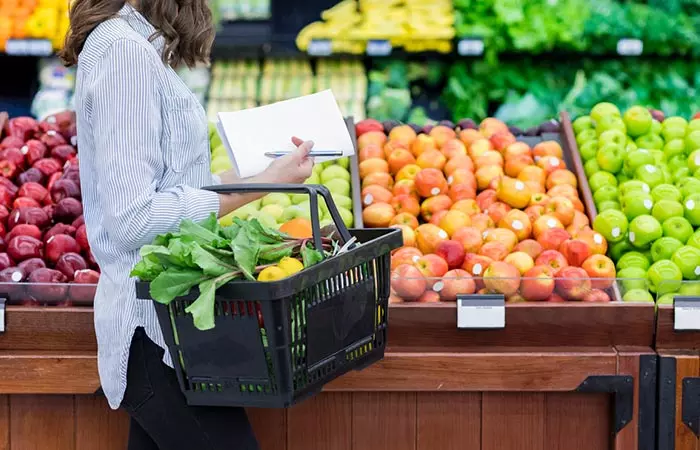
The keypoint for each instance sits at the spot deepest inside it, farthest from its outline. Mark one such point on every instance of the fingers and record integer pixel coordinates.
(303, 150)
(296, 141)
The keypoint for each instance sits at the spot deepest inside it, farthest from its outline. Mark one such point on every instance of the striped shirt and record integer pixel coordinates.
(144, 152)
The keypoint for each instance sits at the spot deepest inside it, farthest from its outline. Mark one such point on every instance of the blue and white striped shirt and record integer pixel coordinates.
(144, 152)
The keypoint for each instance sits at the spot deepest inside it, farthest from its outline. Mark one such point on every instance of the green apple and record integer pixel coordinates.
(692, 141)
(632, 278)
(650, 141)
(344, 162)
(608, 204)
(649, 174)
(664, 277)
(694, 239)
(667, 209)
(334, 172)
(622, 177)
(691, 205)
(693, 125)
(617, 249)
(315, 177)
(631, 146)
(587, 136)
(604, 109)
(277, 198)
(612, 137)
(591, 167)
(610, 123)
(318, 168)
(325, 222)
(677, 162)
(689, 186)
(611, 224)
(673, 148)
(630, 186)
(600, 179)
(696, 174)
(678, 227)
(643, 230)
(666, 299)
(636, 205)
(638, 295)
(266, 219)
(694, 161)
(681, 173)
(245, 211)
(658, 155)
(687, 259)
(339, 186)
(274, 211)
(605, 194)
(299, 198)
(664, 248)
(610, 157)
(588, 150)
(666, 192)
(689, 288)
(637, 120)
(583, 123)
(637, 158)
(655, 127)
(673, 134)
(342, 201)
(675, 121)
(296, 211)
(346, 215)
(633, 259)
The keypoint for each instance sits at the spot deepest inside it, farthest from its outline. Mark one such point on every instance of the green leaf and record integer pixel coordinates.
(265, 235)
(181, 252)
(210, 264)
(272, 253)
(310, 256)
(202, 309)
(164, 239)
(157, 253)
(197, 232)
(175, 282)
(147, 269)
(246, 251)
(211, 223)
(230, 232)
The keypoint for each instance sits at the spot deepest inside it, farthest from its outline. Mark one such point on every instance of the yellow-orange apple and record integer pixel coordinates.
(561, 176)
(502, 278)
(403, 134)
(537, 284)
(458, 162)
(382, 179)
(442, 134)
(529, 246)
(601, 269)
(514, 192)
(470, 238)
(407, 282)
(405, 255)
(376, 138)
(494, 250)
(503, 235)
(552, 238)
(469, 135)
(409, 236)
(596, 242)
(400, 158)
(456, 282)
(406, 204)
(434, 205)
(485, 175)
(459, 192)
(497, 211)
(422, 143)
(544, 223)
(553, 259)
(454, 148)
(479, 147)
(370, 151)
(405, 187)
(373, 165)
(467, 206)
(517, 149)
(518, 222)
(453, 221)
(482, 222)
(547, 148)
(515, 164)
(431, 159)
(405, 219)
(428, 236)
(562, 208)
(375, 194)
(378, 215)
(408, 172)
(431, 182)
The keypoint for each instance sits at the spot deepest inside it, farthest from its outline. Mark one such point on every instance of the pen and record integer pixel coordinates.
(313, 153)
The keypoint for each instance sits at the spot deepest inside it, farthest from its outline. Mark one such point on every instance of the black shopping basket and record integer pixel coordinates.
(277, 343)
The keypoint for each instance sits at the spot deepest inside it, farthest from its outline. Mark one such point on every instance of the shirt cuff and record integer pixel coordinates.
(215, 179)
(200, 203)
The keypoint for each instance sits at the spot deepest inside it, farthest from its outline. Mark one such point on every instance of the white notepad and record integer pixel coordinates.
(250, 133)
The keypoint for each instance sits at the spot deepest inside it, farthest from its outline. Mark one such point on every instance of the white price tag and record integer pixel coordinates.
(28, 47)
(630, 47)
(686, 314)
(470, 47)
(379, 47)
(320, 47)
(481, 312)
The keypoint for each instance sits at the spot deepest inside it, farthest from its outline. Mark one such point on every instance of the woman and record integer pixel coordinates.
(144, 155)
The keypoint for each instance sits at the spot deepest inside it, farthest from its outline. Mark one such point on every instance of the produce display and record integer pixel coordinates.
(414, 25)
(42, 234)
(209, 255)
(34, 19)
(480, 212)
(642, 168)
(593, 26)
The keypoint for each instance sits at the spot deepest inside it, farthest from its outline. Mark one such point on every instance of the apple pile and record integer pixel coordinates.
(644, 170)
(480, 212)
(42, 234)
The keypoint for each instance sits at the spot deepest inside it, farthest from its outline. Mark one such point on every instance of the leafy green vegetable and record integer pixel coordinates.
(208, 256)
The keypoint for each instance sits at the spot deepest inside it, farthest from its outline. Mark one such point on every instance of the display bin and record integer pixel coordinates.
(679, 374)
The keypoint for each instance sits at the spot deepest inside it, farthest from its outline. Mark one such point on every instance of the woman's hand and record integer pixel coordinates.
(293, 168)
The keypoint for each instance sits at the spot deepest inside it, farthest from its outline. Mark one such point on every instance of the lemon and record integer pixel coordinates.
(290, 266)
(271, 274)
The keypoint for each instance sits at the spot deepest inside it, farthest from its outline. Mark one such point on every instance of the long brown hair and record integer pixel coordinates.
(186, 26)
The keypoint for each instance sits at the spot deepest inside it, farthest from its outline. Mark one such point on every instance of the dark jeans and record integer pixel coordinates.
(160, 416)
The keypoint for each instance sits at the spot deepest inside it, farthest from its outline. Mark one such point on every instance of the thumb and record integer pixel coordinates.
(297, 141)
(303, 151)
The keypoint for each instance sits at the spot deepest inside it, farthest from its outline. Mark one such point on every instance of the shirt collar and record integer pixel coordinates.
(142, 26)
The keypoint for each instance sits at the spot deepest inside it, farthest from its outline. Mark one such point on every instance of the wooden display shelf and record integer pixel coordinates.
(679, 384)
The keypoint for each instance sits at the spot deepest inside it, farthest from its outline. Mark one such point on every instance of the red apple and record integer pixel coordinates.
(575, 251)
(456, 282)
(407, 282)
(502, 277)
(572, 283)
(596, 295)
(405, 255)
(429, 297)
(537, 284)
(432, 266)
(452, 252)
(553, 259)
(601, 269)
(529, 246)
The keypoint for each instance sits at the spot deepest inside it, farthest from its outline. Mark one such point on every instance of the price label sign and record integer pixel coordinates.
(470, 47)
(378, 47)
(686, 313)
(630, 47)
(320, 47)
(28, 47)
(481, 312)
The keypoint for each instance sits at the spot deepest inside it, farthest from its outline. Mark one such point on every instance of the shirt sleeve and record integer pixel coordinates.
(126, 123)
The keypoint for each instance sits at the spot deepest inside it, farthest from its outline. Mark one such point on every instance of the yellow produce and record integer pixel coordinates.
(290, 265)
(273, 273)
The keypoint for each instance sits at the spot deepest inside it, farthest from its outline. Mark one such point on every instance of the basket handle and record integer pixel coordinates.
(314, 190)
